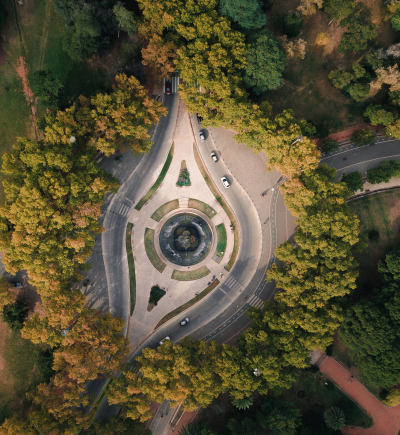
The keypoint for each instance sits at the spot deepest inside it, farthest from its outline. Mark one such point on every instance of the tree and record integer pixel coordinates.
(393, 398)
(245, 426)
(378, 115)
(244, 403)
(266, 62)
(6, 296)
(340, 78)
(334, 418)
(337, 9)
(14, 315)
(47, 86)
(95, 345)
(363, 137)
(357, 36)
(389, 76)
(117, 426)
(282, 418)
(322, 39)
(290, 24)
(159, 55)
(126, 19)
(384, 172)
(309, 7)
(354, 181)
(358, 91)
(50, 218)
(3, 14)
(17, 426)
(329, 146)
(247, 13)
(296, 48)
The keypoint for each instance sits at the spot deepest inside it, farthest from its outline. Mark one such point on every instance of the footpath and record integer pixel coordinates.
(386, 420)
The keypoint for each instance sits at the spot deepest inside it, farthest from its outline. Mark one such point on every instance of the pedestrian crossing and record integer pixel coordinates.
(232, 284)
(120, 209)
(255, 301)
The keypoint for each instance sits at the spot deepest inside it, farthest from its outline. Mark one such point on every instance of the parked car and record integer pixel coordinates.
(214, 157)
(162, 341)
(16, 284)
(184, 321)
(168, 87)
(199, 119)
(202, 137)
(225, 182)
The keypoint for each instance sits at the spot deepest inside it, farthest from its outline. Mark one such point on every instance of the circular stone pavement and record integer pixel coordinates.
(185, 239)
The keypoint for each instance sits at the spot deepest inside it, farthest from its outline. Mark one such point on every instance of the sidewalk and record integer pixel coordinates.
(386, 420)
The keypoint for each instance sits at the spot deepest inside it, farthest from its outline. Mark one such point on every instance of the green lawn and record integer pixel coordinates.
(317, 393)
(380, 212)
(151, 250)
(131, 265)
(164, 209)
(159, 180)
(228, 211)
(221, 244)
(203, 207)
(190, 275)
(23, 369)
(188, 304)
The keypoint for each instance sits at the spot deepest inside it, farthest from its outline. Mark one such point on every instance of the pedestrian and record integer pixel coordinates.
(162, 415)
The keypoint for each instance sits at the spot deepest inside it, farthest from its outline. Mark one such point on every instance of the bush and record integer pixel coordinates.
(363, 137)
(156, 294)
(329, 146)
(393, 398)
(379, 115)
(14, 315)
(384, 172)
(354, 181)
(373, 235)
(334, 418)
(329, 350)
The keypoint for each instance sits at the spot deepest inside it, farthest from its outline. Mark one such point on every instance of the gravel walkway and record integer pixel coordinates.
(386, 420)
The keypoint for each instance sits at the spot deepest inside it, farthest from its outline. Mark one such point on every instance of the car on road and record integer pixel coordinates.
(199, 119)
(225, 182)
(201, 135)
(16, 284)
(168, 88)
(214, 157)
(162, 341)
(184, 321)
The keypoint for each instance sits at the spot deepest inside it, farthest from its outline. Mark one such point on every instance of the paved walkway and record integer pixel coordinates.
(142, 322)
(386, 420)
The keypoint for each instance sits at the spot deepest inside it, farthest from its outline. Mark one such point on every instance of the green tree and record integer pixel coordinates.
(290, 23)
(329, 146)
(266, 62)
(337, 9)
(340, 78)
(117, 426)
(6, 296)
(14, 315)
(244, 403)
(363, 137)
(126, 19)
(245, 426)
(393, 398)
(378, 115)
(3, 14)
(46, 86)
(282, 418)
(354, 181)
(384, 172)
(358, 91)
(356, 38)
(334, 418)
(247, 13)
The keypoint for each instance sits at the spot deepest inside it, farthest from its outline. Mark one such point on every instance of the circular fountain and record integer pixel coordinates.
(185, 239)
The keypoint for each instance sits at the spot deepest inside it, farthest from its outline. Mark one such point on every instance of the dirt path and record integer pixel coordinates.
(386, 420)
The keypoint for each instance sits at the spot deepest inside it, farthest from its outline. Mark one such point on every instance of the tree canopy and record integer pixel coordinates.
(247, 13)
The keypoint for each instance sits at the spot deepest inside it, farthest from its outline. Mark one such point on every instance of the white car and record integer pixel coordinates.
(202, 137)
(184, 321)
(162, 341)
(214, 157)
(225, 182)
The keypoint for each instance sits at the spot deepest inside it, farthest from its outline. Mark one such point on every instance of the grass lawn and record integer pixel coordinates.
(151, 250)
(190, 275)
(131, 265)
(164, 209)
(221, 244)
(188, 304)
(380, 212)
(21, 370)
(306, 88)
(203, 207)
(319, 394)
(159, 180)
(228, 211)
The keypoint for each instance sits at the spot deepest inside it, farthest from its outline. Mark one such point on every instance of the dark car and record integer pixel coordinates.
(168, 88)
(199, 119)
(16, 284)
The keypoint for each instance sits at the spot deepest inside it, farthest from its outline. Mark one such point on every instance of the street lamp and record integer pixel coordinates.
(299, 138)
(256, 372)
(72, 139)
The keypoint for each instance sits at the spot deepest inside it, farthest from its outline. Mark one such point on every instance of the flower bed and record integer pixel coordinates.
(184, 178)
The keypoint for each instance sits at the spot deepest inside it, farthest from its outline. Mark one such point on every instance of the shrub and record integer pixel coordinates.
(393, 398)
(156, 294)
(329, 350)
(354, 181)
(373, 235)
(363, 137)
(379, 115)
(334, 418)
(329, 146)
(322, 39)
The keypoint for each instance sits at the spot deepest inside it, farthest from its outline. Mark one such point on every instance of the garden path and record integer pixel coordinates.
(386, 420)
